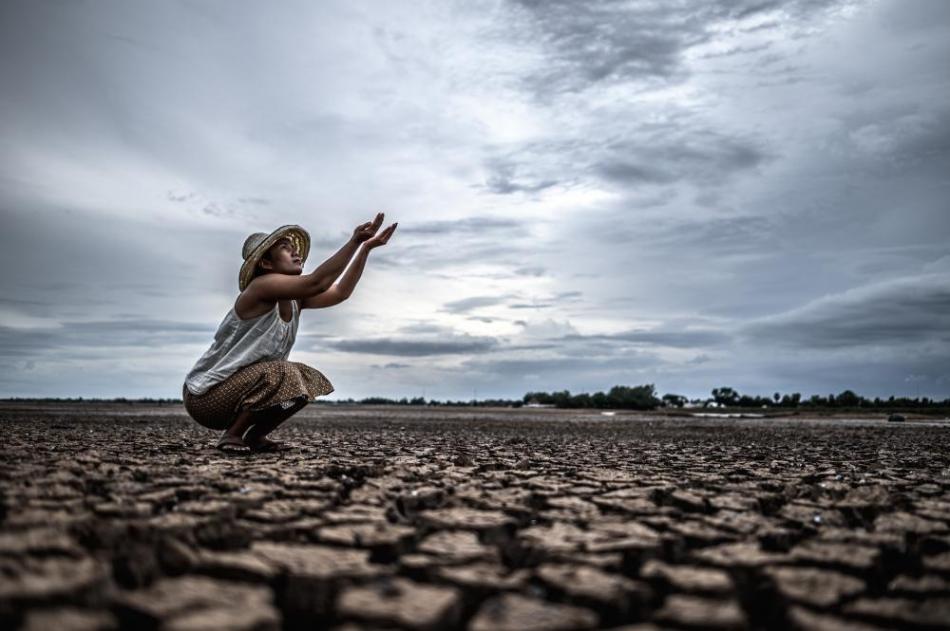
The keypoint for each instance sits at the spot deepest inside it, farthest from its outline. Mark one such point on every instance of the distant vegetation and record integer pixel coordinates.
(642, 397)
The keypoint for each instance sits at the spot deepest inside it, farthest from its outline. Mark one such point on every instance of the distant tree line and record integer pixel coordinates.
(619, 397)
(644, 398)
(641, 397)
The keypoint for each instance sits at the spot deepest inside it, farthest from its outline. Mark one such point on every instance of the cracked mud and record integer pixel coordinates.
(118, 517)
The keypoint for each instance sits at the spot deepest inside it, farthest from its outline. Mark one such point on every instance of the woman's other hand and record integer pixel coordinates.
(382, 237)
(367, 230)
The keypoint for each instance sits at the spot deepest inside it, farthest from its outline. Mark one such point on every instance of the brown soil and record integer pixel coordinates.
(126, 517)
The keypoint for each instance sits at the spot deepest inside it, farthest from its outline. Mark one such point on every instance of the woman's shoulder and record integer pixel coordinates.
(246, 307)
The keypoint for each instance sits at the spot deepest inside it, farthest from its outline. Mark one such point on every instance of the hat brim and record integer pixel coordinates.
(299, 237)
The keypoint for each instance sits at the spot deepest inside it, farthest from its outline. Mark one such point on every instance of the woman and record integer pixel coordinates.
(244, 384)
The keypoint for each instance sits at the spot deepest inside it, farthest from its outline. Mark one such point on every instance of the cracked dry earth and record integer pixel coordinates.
(125, 517)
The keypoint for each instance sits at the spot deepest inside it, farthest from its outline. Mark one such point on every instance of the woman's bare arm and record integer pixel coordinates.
(343, 289)
(272, 287)
(334, 266)
(331, 268)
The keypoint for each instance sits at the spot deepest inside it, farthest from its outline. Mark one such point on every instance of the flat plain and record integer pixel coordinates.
(123, 516)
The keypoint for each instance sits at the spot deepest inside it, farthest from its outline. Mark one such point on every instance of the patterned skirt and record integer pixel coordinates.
(258, 386)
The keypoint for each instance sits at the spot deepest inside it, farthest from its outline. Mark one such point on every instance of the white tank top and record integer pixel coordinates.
(239, 343)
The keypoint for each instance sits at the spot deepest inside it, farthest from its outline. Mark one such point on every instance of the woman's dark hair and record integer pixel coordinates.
(257, 268)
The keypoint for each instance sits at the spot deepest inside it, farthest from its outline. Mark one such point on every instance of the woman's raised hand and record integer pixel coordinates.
(367, 230)
(382, 237)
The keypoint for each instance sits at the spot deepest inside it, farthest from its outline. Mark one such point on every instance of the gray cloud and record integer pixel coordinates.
(612, 40)
(416, 348)
(665, 156)
(469, 225)
(467, 304)
(892, 313)
(502, 179)
(75, 338)
(654, 337)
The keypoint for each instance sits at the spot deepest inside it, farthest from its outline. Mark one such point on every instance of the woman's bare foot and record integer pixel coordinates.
(262, 444)
(230, 442)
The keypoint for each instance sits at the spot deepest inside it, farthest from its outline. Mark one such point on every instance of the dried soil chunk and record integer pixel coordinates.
(313, 574)
(699, 533)
(420, 499)
(630, 537)
(905, 522)
(871, 496)
(195, 602)
(745, 555)
(803, 619)
(514, 612)
(213, 508)
(579, 508)
(811, 516)
(69, 618)
(556, 538)
(688, 578)
(176, 524)
(379, 535)
(236, 566)
(812, 586)
(689, 502)
(590, 585)
(734, 502)
(703, 613)
(855, 558)
(632, 506)
(457, 545)
(403, 603)
(900, 612)
(36, 581)
(37, 518)
(466, 519)
(939, 563)
(316, 561)
(354, 514)
(484, 577)
(232, 619)
(40, 542)
(278, 511)
(745, 523)
(926, 585)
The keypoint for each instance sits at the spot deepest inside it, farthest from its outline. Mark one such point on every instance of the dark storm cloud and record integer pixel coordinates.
(469, 225)
(555, 369)
(903, 312)
(654, 337)
(723, 236)
(531, 270)
(467, 304)
(664, 156)
(416, 348)
(503, 180)
(531, 305)
(73, 337)
(391, 366)
(629, 154)
(589, 43)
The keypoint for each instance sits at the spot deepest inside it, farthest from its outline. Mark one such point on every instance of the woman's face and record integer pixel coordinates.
(284, 258)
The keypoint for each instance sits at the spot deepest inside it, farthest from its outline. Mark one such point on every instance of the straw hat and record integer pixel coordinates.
(260, 242)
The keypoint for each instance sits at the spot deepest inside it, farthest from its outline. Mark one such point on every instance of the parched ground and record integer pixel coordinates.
(125, 517)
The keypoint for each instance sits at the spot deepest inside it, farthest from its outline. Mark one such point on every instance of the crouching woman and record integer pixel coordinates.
(244, 384)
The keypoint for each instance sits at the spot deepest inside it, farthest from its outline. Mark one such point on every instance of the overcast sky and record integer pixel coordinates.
(692, 194)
